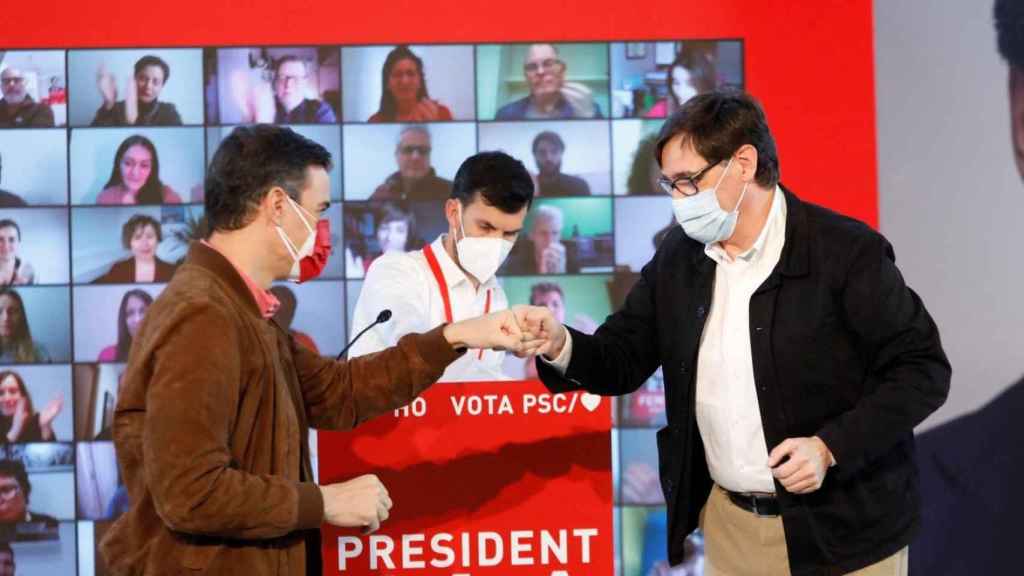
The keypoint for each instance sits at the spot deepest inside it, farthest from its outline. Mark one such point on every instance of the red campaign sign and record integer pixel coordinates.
(487, 478)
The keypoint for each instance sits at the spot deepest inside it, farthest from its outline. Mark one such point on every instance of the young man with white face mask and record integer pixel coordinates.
(796, 361)
(454, 277)
(217, 399)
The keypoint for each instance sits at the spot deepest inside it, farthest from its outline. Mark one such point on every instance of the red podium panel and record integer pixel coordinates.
(495, 478)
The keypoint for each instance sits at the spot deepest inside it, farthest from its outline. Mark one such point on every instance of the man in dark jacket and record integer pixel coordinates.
(17, 108)
(796, 362)
(971, 467)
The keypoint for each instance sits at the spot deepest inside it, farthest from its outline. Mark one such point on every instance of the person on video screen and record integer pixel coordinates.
(285, 315)
(16, 343)
(17, 108)
(551, 296)
(971, 466)
(691, 73)
(291, 87)
(141, 105)
(19, 422)
(135, 176)
(15, 490)
(403, 96)
(395, 232)
(644, 171)
(551, 97)
(142, 235)
(13, 270)
(8, 565)
(548, 148)
(543, 251)
(416, 179)
(453, 277)
(130, 314)
(8, 199)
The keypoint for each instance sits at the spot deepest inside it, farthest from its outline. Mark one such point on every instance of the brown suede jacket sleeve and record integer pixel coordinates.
(340, 395)
(191, 398)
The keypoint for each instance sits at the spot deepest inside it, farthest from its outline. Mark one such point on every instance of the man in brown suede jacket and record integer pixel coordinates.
(217, 399)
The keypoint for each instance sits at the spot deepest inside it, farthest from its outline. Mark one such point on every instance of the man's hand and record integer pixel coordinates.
(805, 469)
(107, 86)
(552, 260)
(542, 333)
(362, 502)
(48, 414)
(131, 102)
(497, 330)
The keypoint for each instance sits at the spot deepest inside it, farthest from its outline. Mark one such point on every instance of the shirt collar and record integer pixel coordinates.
(718, 254)
(265, 300)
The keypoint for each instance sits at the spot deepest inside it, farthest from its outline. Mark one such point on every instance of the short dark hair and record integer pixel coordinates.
(8, 223)
(501, 180)
(136, 222)
(251, 161)
(151, 60)
(1009, 16)
(549, 137)
(16, 469)
(544, 288)
(718, 123)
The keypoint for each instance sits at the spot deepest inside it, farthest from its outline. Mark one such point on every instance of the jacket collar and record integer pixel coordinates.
(216, 264)
(795, 253)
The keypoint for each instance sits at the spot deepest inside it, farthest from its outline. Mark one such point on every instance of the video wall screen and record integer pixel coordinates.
(102, 160)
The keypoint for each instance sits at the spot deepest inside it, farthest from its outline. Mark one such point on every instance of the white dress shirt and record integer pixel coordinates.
(728, 415)
(727, 410)
(405, 284)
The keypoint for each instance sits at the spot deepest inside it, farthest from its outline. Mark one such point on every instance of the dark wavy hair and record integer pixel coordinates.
(124, 338)
(718, 123)
(388, 107)
(391, 212)
(639, 180)
(698, 59)
(137, 222)
(152, 192)
(21, 387)
(21, 341)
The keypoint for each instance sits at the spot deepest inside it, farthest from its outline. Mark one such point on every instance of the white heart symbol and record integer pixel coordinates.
(590, 401)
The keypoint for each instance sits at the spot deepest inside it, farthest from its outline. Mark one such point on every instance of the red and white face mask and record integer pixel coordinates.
(309, 260)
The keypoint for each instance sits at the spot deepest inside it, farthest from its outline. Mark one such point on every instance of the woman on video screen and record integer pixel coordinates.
(135, 176)
(404, 95)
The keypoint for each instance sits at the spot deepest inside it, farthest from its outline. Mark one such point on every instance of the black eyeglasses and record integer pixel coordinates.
(685, 185)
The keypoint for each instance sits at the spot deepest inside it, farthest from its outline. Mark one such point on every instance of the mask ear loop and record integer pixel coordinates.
(462, 224)
(742, 194)
(292, 250)
(295, 206)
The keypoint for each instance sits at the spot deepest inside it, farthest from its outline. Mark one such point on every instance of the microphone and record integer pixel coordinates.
(383, 317)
